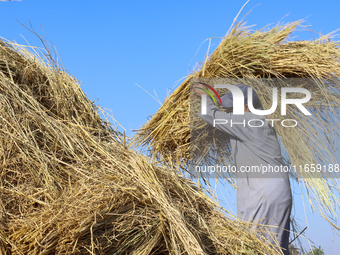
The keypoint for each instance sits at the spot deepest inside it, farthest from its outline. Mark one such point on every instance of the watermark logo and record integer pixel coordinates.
(238, 99)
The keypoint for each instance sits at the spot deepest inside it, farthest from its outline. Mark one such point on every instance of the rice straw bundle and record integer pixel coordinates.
(70, 186)
(152, 211)
(250, 55)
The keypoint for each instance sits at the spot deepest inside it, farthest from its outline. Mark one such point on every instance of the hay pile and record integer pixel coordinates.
(69, 185)
(267, 53)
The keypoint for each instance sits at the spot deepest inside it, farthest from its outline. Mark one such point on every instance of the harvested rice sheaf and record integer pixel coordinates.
(248, 54)
(70, 186)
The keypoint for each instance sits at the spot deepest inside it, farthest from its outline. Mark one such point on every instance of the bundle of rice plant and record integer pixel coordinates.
(69, 185)
(246, 54)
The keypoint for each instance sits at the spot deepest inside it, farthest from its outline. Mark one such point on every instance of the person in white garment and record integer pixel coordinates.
(261, 197)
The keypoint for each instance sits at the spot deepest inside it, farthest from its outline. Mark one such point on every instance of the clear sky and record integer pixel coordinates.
(113, 45)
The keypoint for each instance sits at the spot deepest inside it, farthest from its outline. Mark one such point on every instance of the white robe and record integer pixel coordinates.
(264, 198)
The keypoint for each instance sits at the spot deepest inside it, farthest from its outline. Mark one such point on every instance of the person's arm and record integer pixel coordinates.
(235, 125)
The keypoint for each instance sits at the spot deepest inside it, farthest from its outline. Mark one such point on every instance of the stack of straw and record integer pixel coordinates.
(267, 53)
(69, 185)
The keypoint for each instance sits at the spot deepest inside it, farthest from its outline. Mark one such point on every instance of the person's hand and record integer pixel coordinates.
(198, 89)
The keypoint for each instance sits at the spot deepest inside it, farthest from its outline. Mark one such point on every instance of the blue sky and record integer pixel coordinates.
(113, 45)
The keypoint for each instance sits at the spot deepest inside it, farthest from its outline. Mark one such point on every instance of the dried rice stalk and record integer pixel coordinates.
(69, 186)
(248, 54)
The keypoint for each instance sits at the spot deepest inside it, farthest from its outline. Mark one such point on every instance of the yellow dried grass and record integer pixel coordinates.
(69, 185)
(268, 53)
